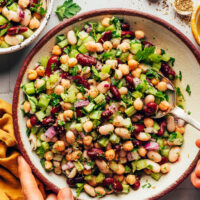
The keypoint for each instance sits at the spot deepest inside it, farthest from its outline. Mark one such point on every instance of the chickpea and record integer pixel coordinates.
(56, 50)
(131, 179)
(180, 129)
(27, 107)
(100, 190)
(148, 122)
(106, 21)
(66, 106)
(124, 46)
(72, 62)
(28, 124)
(32, 74)
(87, 140)
(70, 137)
(40, 71)
(154, 81)
(48, 165)
(118, 74)
(124, 68)
(34, 23)
(71, 37)
(138, 104)
(99, 47)
(139, 34)
(80, 96)
(39, 83)
(65, 83)
(142, 151)
(49, 91)
(123, 90)
(132, 64)
(91, 46)
(158, 51)
(88, 126)
(143, 67)
(87, 172)
(59, 89)
(165, 168)
(149, 98)
(128, 146)
(120, 170)
(93, 92)
(164, 105)
(112, 63)
(37, 15)
(23, 3)
(101, 87)
(48, 155)
(162, 86)
(64, 59)
(68, 114)
(107, 46)
(115, 42)
(110, 154)
(119, 178)
(136, 72)
(59, 146)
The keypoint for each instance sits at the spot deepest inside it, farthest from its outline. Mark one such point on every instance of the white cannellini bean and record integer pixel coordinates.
(155, 166)
(171, 124)
(27, 18)
(181, 122)
(90, 190)
(155, 156)
(118, 121)
(174, 154)
(73, 173)
(103, 87)
(142, 136)
(14, 39)
(71, 37)
(33, 141)
(106, 129)
(123, 133)
(102, 165)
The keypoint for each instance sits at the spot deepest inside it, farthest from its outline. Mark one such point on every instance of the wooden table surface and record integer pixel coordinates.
(10, 64)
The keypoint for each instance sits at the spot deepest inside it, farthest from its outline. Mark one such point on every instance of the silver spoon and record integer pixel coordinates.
(175, 110)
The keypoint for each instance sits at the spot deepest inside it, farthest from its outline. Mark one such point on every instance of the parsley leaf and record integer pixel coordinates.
(143, 55)
(172, 60)
(67, 10)
(180, 75)
(188, 90)
(151, 74)
(79, 188)
(96, 73)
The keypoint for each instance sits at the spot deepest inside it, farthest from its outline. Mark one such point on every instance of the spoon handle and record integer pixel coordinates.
(180, 113)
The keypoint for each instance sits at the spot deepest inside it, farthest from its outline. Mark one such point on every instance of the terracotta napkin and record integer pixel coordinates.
(10, 188)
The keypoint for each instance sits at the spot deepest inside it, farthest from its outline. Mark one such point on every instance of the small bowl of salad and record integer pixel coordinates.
(85, 103)
(21, 21)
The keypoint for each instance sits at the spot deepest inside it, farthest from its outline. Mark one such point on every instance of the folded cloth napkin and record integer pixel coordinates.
(10, 188)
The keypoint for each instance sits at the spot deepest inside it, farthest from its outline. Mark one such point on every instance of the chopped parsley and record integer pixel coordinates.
(143, 55)
(79, 188)
(172, 60)
(188, 90)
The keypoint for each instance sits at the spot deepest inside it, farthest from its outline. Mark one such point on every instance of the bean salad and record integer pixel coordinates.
(90, 108)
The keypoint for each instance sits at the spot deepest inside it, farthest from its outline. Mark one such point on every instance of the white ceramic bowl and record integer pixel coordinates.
(36, 33)
(159, 33)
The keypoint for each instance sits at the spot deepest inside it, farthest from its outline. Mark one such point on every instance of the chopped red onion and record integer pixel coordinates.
(21, 14)
(68, 165)
(50, 133)
(152, 146)
(130, 156)
(81, 103)
(136, 81)
(113, 108)
(106, 85)
(82, 135)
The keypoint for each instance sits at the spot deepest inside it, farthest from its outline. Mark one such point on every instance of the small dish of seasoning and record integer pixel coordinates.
(195, 24)
(183, 7)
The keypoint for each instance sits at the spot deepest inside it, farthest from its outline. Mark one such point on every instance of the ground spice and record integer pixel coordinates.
(184, 5)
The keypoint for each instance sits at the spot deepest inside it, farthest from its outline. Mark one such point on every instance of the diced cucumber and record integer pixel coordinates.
(100, 27)
(126, 188)
(100, 178)
(69, 98)
(34, 130)
(94, 135)
(123, 57)
(45, 145)
(44, 101)
(110, 28)
(155, 58)
(13, 7)
(127, 122)
(165, 57)
(156, 176)
(88, 177)
(143, 77)
(28, 33)
(64, 67)
(40, 115)
(165, 151)
(103, 141)
(88, 39)
(135, 47)
(115, 139)
(63, 43)
(33, 102)
(48, 110)
(29, 88)
(100, 98)
(95, 115)
(140, 164)
(114, 166)
(44, 61)
(130, 111)
(82, 49)
(137, 94)
(78, 166)
(156, 66)
(82, 35)
(79, 127)
(89, 107)
(156, 126)
(3, 20)
(106, 69)
(4, 44)
(160, 141)
(73, 89)
(166, 134)
(73, 53)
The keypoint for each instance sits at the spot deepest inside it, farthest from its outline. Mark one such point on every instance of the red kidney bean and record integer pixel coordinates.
(105, 37)
(81, 80)
(136, 142)
(119, 61)
(3, 3)
(78, 113)
(73, 181)
(107, 99)
(55, 110)
(3, 26)
(60, 129)
(125, 27)
(53, 62)
(115, 92)
(95, 153)
(163, 125)
(150, 108)
(163, 161)
(116, 185)
(147, 44)
(127, 34)
(106, 114)
(86, 60)
(33, 120)
(64, 75)
(88, 28)
(16, 30)
(138, 128)
(136, 185)
(48, 120)
(117, 147)
(130, 82)
(168, 71)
